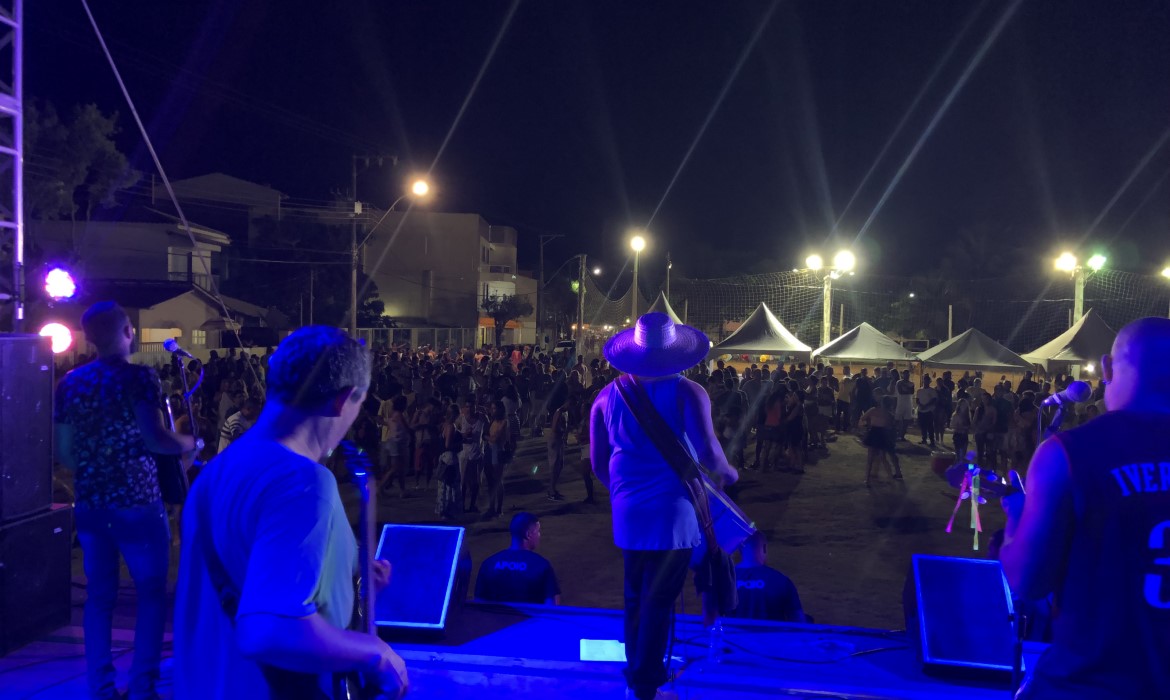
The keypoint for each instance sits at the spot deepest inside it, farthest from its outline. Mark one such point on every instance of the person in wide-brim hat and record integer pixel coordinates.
(657, 347)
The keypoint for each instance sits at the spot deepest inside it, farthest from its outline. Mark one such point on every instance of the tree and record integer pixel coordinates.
(502, 309)
(72, 166)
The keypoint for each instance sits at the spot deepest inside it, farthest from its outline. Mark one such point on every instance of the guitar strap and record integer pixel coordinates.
(714, 571)
(672, 450)
(282, 684)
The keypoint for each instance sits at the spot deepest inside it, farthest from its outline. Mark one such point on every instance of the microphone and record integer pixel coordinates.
(172, 345)
(1075, 393)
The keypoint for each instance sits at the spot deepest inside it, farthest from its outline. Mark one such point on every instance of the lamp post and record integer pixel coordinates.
(1067, 262)
(669, 265)
(1166, 274)
(540, 287)
(418, 189)
(843, 263)
(637, 244)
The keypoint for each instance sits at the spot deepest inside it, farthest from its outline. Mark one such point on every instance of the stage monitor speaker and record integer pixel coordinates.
(428, 574)
(26, 425)
(960, 613)
(35, 576)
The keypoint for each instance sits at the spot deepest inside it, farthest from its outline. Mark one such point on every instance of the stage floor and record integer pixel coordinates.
(511, 652)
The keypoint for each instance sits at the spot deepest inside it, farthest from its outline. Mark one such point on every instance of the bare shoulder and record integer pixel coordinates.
(691, 388)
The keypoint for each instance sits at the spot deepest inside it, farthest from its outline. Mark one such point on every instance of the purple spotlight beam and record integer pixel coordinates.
(59, 284)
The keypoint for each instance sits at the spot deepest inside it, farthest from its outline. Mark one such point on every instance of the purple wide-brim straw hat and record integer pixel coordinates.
(657, 347)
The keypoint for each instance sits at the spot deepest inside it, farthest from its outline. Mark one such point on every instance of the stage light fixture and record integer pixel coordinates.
(59, 284)
(60, 336)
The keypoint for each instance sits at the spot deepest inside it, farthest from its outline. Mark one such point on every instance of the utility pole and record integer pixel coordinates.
(827, 311)
(580, 334)
(669, 265)
(540, 289)
(353, 233)
(353, 254)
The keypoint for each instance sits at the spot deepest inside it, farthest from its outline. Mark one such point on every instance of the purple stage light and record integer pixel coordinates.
(59, 284)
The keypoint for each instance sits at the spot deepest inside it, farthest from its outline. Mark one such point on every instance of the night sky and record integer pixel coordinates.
(586, 112)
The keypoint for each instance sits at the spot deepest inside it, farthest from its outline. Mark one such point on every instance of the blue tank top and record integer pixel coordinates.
(1111, 635)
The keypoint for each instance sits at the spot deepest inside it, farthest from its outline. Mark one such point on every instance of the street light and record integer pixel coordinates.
(418, 189)
(843, 263)
(596, 271)
(1068, 262)
(637, 244)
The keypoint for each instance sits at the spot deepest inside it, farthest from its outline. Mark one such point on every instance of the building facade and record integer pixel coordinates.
(437, 269)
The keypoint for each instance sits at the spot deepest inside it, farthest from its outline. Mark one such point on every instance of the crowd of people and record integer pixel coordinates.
(266, 538)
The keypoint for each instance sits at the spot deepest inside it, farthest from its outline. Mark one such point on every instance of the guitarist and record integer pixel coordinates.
(654, 521)
(266, 516)
(108, 423)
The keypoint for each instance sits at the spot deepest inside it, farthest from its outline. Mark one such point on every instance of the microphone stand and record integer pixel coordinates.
(188, 392)
(1019, 621)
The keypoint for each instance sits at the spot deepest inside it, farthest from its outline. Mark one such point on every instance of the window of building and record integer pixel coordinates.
(199, 338)
(158, 335)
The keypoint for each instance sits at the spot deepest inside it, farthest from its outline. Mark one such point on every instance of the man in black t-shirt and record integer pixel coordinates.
(764, 593)
(518, 574)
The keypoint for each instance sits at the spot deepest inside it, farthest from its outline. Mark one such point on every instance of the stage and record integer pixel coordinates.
(511, 652)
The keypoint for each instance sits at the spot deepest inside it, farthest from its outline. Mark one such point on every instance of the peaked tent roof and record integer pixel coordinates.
(662, 305)
(864, 343)
(761, 334)
(975, 350)
(1087, 340)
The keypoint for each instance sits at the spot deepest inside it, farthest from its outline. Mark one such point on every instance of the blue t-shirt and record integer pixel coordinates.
(766, 594)
(279, 529)
(516, 576)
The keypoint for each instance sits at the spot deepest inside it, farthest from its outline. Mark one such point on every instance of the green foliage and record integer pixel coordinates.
(502, 309)
(72, 166)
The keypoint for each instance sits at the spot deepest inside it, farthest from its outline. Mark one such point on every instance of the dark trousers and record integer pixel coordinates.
(653, 581)
(141, 535)
(926, 425)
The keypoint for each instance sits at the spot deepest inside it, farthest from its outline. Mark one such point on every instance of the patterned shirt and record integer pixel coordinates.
(114, 467)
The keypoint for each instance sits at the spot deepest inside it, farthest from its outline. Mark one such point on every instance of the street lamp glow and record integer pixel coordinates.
(844, 261)
(420, 188)
(1096, 262)
(596, 271)
(637, 244)
(1166, 272)
(1067, 262)
(814, 262)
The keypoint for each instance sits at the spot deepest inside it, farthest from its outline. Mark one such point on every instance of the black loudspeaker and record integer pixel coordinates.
(35, 576)
(26, 425)
(959, 611)
(430, 571)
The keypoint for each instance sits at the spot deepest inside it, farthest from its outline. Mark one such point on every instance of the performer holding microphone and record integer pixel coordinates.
(109, 425)
(1094, 529)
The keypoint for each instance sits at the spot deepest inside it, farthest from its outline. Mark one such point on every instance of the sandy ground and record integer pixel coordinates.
(846, 547)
